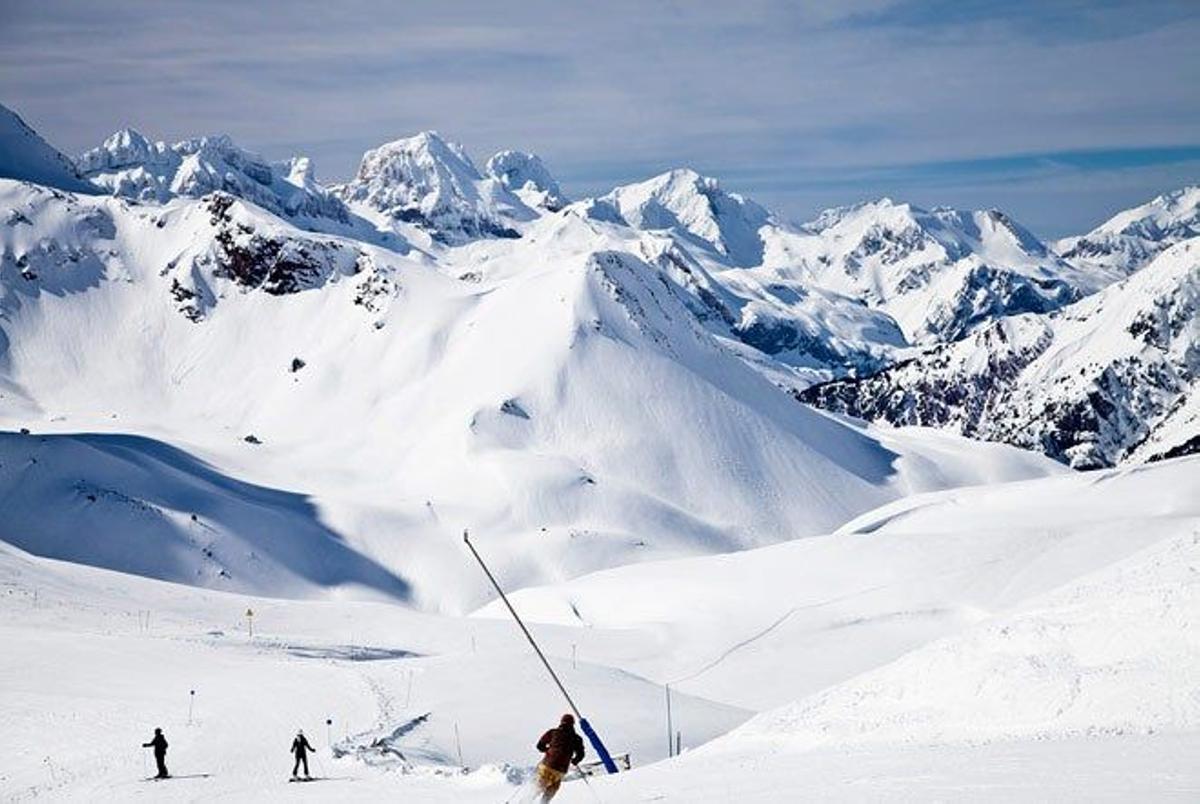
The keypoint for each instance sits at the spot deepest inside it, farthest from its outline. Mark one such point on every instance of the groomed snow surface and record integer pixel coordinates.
(1027, 640)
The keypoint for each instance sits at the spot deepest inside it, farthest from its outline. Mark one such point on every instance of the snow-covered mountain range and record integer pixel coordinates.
(1130, 239)
(1108, 379)
(129, 165)
(596, 382)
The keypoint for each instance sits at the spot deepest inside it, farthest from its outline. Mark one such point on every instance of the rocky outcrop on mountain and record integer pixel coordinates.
(1089, 385)
(526, 175)
(1130, 239)
(428, 181)
(131, 166)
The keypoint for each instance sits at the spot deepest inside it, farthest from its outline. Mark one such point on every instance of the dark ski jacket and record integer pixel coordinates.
(561, 746)
(159, 744)
(300, 746)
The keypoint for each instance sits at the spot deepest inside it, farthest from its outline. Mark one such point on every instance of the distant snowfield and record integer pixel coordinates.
(1030, 639)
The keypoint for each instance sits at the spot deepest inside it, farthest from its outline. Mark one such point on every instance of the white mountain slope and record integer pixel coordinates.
(1055, 648)
(940, 273)
(1134, 237)
(130, 166)
(432, 183)
(25, 156)
(566, 402)
(1090, 385)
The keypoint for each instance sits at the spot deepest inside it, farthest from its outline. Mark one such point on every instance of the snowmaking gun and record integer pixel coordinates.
(605, 758)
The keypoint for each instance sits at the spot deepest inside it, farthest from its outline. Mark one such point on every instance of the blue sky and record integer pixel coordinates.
(1058, 112)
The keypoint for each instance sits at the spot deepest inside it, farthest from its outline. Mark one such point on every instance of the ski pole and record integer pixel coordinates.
(586, 727)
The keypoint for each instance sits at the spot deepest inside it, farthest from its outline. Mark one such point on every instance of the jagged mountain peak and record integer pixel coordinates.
(431, 182)
(690, 204)
(527, 176)
(941, 272)
(1106, 378)
(1134, 237)
(129, 165)
(25, 156)
(427, 149)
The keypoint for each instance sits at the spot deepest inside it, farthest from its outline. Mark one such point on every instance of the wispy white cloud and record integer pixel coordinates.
(608, 91)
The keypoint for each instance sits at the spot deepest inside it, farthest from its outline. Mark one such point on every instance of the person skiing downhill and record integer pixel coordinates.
(301, 747)
(561, 747)
(159, 744)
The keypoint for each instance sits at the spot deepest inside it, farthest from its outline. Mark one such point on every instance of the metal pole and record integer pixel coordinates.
(609, 765)
(528, 636)
(670, 727)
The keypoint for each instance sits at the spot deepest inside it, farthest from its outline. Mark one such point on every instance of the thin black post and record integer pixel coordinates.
(594, 738)
(670, 727)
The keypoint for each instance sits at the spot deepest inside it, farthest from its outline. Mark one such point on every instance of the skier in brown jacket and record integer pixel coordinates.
(561, 748)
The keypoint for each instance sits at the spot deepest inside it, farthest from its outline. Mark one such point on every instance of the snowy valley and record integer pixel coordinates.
(821, 485)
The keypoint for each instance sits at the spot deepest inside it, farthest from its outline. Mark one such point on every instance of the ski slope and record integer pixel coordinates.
(1009, 641)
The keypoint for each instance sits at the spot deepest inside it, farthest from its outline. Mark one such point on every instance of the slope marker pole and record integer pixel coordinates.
(591, 734)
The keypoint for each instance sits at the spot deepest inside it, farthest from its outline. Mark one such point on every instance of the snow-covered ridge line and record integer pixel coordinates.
(1108, 379)
(129, 165)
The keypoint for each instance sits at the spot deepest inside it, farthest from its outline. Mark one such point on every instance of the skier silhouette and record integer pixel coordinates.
(159, 744)
(301, 747)
(561, 747)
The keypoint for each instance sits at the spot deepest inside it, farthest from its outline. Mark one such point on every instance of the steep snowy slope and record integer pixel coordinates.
(1087, 386)
(428, 181)
(25, 156)
(941, 273)
(140, 506)
(131, 166)
(564, 400)
(1132, 238)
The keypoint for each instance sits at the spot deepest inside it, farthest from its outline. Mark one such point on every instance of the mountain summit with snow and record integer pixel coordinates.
(687, 203)
(129, 165)
(527, 176)
(1134, 237)
(431, 182)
